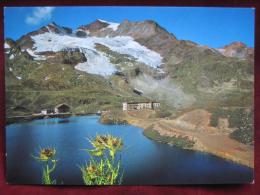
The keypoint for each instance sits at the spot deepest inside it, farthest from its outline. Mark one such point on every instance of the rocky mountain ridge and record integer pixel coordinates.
(131, 55)
(238, 50)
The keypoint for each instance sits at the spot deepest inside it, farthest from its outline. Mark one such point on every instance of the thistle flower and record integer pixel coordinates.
(103, 142)
(107, 141)
(113, 144)
(92, 171)
(116, 143)
(105, 169)
(99, 142)
(90, 168)
(46, 154)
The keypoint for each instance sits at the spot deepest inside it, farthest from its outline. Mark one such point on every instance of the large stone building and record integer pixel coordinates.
(140, 105)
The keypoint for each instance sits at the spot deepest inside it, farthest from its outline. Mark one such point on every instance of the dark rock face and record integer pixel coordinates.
(72, 57)
(67, 30)
(81, 33)
(149, 34)
(94, 26)
(137, 30)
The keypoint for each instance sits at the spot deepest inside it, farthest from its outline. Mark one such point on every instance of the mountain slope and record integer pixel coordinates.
(115, 59)
(237, 50)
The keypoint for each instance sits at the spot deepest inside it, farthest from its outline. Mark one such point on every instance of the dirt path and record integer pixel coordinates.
(195, 125)
(208, 141)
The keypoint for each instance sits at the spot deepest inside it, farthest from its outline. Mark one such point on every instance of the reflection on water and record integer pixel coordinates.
(65, 121)
(53, 122)
(144, 161)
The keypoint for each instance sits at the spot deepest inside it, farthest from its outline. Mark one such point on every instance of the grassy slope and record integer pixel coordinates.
(200, 72)
(222, 85)
(45, 85)
(180, 141)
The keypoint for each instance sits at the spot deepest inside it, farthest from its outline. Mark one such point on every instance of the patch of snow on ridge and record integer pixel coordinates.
(112, 25)
(120, 44)
(96, 63)
(100, 20)
(11, 56)
(35, 57)
(7, 46)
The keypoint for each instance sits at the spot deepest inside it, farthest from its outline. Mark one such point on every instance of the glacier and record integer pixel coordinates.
(7, 46)
(97, 62)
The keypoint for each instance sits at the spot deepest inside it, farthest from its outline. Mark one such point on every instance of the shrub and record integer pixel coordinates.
(244, 133)
(178, 141)
(238, 118)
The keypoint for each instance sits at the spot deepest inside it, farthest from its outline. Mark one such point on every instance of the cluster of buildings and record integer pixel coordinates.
(61, 108)
(64, 108)
(140, 105)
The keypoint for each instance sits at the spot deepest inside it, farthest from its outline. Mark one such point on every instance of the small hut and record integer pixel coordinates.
(47, 111)
(62, 108)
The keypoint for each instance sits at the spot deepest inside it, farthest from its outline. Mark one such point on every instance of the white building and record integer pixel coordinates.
(44, 111)
(124, 106)
(140, 105)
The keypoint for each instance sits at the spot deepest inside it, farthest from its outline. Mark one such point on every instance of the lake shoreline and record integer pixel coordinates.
(144, 124)
(229, 158)
(200, 144)
(20, 119)
(198, 150)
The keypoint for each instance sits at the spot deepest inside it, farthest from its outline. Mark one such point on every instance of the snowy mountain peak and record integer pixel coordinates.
(94, 26)
(104, 21)
(111, 25)
(99, 26)
(52, 24)
(54, 28)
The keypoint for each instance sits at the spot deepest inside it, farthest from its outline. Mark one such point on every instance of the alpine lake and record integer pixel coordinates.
(144, 161)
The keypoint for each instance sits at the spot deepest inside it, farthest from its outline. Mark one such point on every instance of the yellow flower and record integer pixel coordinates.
(46, 154)
(107, 141)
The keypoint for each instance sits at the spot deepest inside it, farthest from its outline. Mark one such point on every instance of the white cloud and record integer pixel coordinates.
(39, 14)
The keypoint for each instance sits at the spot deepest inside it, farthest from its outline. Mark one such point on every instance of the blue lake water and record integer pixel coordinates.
(144, 161)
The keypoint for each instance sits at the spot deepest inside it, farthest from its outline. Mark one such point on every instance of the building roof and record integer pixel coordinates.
(142, 102)
(63, 104)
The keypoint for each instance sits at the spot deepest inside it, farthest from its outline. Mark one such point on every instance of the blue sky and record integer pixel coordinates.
(214, 27)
